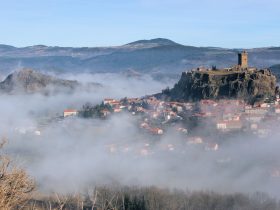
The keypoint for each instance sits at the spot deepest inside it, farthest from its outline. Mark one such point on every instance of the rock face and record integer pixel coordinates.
(30, 81)
(251, 86)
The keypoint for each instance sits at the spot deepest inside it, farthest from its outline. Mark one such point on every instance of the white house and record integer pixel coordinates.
(69, 112)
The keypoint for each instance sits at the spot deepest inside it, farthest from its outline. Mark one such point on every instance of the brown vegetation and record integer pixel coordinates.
(15, 185)
(152, 198)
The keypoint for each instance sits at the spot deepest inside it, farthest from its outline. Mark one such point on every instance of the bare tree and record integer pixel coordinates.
(15, 185)
(61, 200)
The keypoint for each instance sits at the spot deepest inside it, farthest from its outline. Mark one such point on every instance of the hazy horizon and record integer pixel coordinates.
(227, 24)
(122, 44)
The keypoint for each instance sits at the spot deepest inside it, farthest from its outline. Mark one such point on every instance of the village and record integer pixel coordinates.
(193, 121)
(207, 123)
(167, 126)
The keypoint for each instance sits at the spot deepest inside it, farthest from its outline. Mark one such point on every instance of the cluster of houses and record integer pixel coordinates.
(155, 113)
(158, 117)
(228, 115)
(258, 119)
(224, 116)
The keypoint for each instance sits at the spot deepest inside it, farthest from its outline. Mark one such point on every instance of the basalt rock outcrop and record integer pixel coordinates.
(30, 81)
(252, 86)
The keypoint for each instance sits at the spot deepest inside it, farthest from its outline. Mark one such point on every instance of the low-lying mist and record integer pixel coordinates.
(73, 154)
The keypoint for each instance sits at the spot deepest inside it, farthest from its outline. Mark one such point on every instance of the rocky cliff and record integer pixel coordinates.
(252, 86)
(30, 81)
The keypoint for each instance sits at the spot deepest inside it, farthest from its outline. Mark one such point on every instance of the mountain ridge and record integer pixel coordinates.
(155, 55)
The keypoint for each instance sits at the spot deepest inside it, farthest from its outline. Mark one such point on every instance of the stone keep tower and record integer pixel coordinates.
(243, 60)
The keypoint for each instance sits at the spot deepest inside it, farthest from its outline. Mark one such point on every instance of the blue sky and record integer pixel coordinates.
(221, 23)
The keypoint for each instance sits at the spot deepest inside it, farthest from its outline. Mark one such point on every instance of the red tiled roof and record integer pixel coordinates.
(70, 110)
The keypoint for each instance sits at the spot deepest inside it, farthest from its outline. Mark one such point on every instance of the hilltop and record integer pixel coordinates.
(151, 43)
(237, 82)
(251, 86)
(30, 81)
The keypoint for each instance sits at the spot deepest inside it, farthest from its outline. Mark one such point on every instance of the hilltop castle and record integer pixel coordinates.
(243, 60)
(242, 65)
(237, 82)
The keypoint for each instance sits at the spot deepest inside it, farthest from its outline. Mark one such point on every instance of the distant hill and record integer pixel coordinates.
(30, 81)
(144, 56)
(151, 43)
(276, 70)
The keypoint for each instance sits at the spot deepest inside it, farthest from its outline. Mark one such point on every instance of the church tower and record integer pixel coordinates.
(243, 60)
